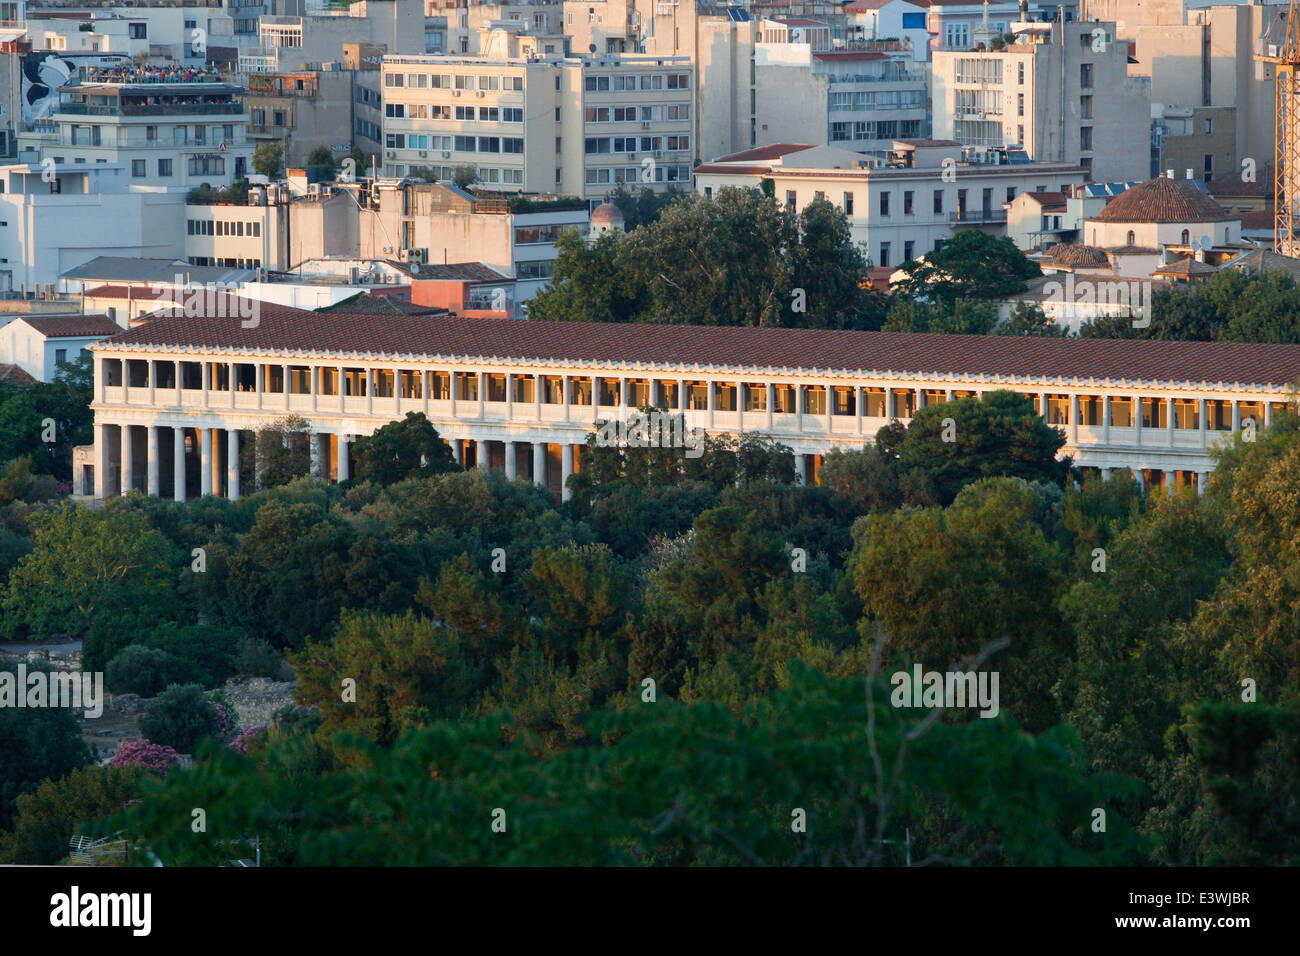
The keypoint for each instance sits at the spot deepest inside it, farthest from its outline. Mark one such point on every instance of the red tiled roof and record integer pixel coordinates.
(1260, 219)
(15, 375)
(1186, 267)
(1048, 199)
(712, 347)
(1163, 200)
(72, 326)
(774, 151)
(125, 292)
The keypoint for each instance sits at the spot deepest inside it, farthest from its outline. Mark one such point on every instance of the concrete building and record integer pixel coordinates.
(532, 123)
(903, 20)
(927, 191)
(857, 99)
(38, 344)
(1204, 60)
(176, 134)
(58, 217)
(277, 230)
(1201, 139)
(176, 399)
(438, 223)
(301, 111)
(1061, 92)
(289, 43)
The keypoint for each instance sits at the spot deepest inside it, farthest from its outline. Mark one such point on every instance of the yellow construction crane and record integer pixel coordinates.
(1280, 46)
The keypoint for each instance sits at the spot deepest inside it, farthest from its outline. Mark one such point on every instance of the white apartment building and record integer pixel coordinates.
(176, 398)
(541, 124)
(174, 134)
(901, 20)
(53, 219)
(927, 190)
(39, 344)
(857, 99)
(1061, 92)
(290, 43)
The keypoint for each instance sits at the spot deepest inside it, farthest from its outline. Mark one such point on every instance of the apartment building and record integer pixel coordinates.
(277, 230)
(855, 99)
(903, 20)
(435, 223)
(304, 42)
(175, 133)
(531, 123)
(301, 111)
(910, 205)
(1205, 59)
(1200, 139)
(1062, 92)
(957, 25)
(176, 398)
(55, 218)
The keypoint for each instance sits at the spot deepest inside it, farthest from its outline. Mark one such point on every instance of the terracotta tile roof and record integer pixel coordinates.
(1048, 200)
(773, 151)
(1260, 219)
(717, 348)
(456, 272)
(1186, 267)
(1070, 254)
(125, 292)
(1163, 200)
(15, 375)
(72, 326)
(370, 303)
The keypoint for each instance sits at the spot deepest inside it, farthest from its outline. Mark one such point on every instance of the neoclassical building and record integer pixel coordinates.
(176, 398)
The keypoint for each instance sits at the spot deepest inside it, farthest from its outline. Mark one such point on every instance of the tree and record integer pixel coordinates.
(268, 160)
(279, 452)
(36, 744)
(1030, 319)
(410, 448)
(642, 206)
(589, 283)
(1000, 433)
(180, 717)
(358, 156)
(972, 264)
(58, 810)
(464, 176)
(90, 566)
(321, 162)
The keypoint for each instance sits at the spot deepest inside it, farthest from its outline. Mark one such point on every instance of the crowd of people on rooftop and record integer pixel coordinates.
(149, 74)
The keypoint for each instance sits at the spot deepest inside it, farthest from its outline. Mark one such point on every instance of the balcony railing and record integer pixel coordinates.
(178, 109)
(978, 215)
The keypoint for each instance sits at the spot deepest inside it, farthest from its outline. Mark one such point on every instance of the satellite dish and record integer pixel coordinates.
(591, 47)
(1206, 243)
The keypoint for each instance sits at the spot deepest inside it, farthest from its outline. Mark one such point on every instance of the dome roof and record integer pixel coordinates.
(1069, 254)
(1164, 200)
(607, 214)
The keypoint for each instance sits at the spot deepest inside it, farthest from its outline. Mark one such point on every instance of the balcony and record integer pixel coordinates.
(976, 216)
(188, 109)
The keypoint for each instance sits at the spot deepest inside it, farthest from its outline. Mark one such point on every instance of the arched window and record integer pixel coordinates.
(1225, 234)
(1132, 238)
(1187, 236)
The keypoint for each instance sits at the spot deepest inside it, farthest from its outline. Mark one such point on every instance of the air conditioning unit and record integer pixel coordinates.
(646, 124)
(390, 154)
(446, 154)
(423, 153)
(659, 154)
(480, 92)
(455, 92)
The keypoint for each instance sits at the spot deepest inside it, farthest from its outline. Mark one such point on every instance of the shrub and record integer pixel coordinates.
(202, 654)
(155, 758)
(180, 717)
(240, 743)
(139, 670)
(257, 658)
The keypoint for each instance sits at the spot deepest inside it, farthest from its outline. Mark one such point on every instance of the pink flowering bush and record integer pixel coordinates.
(155, 758)
(227, 719)
(240, 743)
